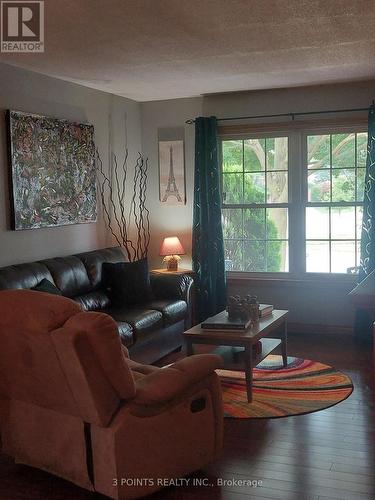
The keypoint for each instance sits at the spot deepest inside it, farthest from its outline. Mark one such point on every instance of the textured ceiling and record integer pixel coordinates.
(164, 49)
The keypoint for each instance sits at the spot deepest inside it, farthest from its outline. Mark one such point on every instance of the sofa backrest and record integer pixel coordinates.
(69, 274)
(24, 275)
(77, 276)
(55, 356)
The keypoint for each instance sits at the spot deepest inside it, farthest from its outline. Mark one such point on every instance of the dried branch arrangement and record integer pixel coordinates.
(113, 194)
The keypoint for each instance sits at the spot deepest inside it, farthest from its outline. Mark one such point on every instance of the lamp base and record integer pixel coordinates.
(172, 264)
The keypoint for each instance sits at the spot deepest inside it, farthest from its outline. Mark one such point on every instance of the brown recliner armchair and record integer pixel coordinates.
(75, 405)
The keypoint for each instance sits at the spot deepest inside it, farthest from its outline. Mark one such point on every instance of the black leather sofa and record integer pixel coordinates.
(150, 330)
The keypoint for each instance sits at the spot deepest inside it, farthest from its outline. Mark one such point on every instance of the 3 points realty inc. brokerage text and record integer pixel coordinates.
(187, 481)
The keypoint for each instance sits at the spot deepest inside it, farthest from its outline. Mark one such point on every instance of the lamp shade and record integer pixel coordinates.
(171, 246)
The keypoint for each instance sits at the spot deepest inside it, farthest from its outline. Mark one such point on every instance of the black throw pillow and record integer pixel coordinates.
(47, 287)
(128, 282)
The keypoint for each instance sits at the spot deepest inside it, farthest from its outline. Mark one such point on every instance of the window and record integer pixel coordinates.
(335, 180)
(293, 202)
(255, 204)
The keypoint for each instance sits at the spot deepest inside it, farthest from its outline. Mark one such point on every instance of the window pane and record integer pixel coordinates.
(233, 254)
(255, 155)
(343, 223)
(359, 216)
(343, 150)
(361, 172)
(277, 256)
(317, 223)
(254, 188)
(358, 250)
(232, 156)
(277, 223)
(277, 153)
(255, 256)
(342, 256)
(318, 155)
(361, 149)
(254, 223)
(343, 185)
(232, 223)
(232, 188)
(277, 187)
(317, 256)
(319, 185)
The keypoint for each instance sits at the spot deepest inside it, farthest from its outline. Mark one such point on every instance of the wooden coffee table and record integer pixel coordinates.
(274, 323)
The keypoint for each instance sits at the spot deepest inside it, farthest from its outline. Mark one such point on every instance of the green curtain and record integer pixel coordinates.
(368, 224)
(208, 245)
(364, 320)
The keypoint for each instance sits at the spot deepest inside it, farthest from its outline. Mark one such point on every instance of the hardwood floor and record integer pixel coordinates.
(320, 456)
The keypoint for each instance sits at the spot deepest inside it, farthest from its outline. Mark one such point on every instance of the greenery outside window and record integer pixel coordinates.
(255, 204)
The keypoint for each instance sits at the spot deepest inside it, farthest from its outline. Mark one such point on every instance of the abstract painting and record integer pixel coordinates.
(52, 171)
(172, 173)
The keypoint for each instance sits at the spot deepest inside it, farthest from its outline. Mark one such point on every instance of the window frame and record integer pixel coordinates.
(297, 193)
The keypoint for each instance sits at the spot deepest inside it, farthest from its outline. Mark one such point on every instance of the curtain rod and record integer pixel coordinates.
(290, 115)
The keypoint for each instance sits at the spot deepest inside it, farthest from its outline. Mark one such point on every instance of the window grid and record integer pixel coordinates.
(296, 240)
(355, 204)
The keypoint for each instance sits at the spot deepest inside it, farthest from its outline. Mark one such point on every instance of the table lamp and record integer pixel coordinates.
(171, 249)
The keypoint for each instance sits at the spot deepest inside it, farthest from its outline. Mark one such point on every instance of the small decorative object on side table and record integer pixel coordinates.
(171, 249)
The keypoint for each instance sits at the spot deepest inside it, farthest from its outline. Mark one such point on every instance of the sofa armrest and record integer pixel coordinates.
(174, 287)
(171, 286)
(167, 383)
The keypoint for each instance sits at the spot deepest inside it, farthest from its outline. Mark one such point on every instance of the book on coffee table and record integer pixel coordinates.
(221, 322)
(265, 310)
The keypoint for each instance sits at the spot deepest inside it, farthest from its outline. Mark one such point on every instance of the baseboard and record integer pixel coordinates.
(320, 329)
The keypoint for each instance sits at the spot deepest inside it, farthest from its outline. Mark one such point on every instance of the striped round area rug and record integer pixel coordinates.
(303, 386)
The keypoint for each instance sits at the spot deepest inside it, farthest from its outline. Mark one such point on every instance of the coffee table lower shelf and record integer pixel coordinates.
(233, 356)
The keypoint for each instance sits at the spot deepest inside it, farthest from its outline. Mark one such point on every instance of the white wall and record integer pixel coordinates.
(26, 91)
(168, 220)
(310, 303)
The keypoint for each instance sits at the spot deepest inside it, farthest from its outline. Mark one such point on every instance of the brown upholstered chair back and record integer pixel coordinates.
(54, 356)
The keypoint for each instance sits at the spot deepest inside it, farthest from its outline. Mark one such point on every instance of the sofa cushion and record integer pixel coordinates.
(69, 274)
(172, 310)
(24, 275)
(93, 301)
(93, 262)
(129, 282)
(142, 321)
(126, 333)
(47, 287)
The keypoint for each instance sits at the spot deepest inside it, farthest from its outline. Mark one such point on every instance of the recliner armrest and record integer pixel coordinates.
(168, 383)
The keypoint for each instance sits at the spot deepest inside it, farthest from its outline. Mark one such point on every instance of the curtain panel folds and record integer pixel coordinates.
(208, 245)
(368, 223)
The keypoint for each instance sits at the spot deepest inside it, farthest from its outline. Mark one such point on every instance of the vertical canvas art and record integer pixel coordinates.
(52, 171)
(172, 173)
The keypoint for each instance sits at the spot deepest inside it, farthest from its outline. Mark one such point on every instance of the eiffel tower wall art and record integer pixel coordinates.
(172, 173)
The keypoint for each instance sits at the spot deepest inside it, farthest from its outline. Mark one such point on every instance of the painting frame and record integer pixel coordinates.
(51, 171)
(171, 156)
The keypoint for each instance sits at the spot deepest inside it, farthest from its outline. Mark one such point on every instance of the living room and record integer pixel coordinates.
(298, 76)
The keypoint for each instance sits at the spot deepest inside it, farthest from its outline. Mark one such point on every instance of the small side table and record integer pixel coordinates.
(180, 270)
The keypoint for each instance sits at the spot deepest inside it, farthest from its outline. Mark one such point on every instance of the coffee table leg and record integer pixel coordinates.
(249, 372)
(284, 344)
(189, 348)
